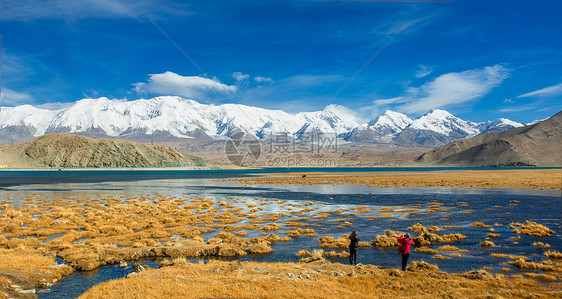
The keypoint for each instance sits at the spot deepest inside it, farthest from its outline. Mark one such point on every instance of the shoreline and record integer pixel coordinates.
(526, 179)
(290, 170)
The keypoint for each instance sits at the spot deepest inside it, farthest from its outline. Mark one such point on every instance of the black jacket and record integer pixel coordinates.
(354, 242)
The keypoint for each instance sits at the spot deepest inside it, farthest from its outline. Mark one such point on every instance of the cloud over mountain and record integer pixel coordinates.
(170, 83)
(453, 89)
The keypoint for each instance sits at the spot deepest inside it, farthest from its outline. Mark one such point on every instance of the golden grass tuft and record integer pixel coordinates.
(331, 242)
(480, 225)
(440, 257)
(521, 264)
(426, 250)
(448, 248)
(304, 253)
(259, 248)
(533, 229)
(434, 229)
(542, 277)
(554, 254)
(417, 266)
(541, 244)
(293, 233)
(31, 268)
(317, 253)
(487, 244)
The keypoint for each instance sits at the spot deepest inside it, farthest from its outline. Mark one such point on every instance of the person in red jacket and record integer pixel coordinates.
(404, 249)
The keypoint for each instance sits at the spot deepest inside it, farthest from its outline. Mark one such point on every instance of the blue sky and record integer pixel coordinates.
(480, 60)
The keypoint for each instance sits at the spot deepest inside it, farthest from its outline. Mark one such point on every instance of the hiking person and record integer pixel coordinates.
(353, 244)
(404, 249)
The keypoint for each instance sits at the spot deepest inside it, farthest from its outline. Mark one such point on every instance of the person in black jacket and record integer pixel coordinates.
(353, 244)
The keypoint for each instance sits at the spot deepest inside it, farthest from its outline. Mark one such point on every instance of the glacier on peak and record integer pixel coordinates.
(186, 118)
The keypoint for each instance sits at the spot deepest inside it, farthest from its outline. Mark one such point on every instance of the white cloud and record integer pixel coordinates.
(380, 105)
(238, 76)
(551, 91)
(520, 108)
(423, 71)
(453, 89)
(260, 79)
(385, 102)
(14, 98)
(170, 83)
(344, 112)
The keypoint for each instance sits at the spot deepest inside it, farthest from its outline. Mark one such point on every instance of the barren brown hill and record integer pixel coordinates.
(73, 151)
(534, 145)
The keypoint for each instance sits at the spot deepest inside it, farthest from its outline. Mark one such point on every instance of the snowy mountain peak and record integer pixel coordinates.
(443, 122)
(390, 123)
(186, 118)
(498, 125)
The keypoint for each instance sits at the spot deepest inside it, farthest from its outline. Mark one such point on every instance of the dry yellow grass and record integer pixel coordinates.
(448, 248)
(426, 250)
(480, 225)
(512, 179)
(331, 242)
(262, 247)
(541, 244)
(553, 254)
(542, 276)
(29, 269)
(319, 279)
(532, 229)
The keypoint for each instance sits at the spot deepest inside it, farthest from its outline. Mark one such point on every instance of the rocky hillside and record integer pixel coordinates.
(68, 150)
(534, 145)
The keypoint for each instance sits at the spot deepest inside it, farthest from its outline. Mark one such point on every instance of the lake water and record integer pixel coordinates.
(490, 206)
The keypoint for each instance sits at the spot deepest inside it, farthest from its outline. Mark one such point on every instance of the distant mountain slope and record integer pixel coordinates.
(67, 150)
(179, 118)
(535, 145)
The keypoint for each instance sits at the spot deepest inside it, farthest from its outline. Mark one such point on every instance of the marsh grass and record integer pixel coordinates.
(318, 279)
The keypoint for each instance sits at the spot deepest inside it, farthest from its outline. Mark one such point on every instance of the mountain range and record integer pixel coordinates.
(176, 117)
(533, 145)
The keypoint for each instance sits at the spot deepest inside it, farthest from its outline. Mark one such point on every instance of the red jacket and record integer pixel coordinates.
(404, 245)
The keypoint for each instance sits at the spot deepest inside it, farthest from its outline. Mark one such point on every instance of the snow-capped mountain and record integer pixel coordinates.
(498, 125)
(183, 118)
(444, 123)
(390, 123)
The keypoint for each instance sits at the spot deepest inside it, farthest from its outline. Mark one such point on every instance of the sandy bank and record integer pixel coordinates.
(547, 179)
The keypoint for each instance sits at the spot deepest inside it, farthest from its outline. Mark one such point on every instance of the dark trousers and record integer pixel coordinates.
(405, 257)
(352, 256)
